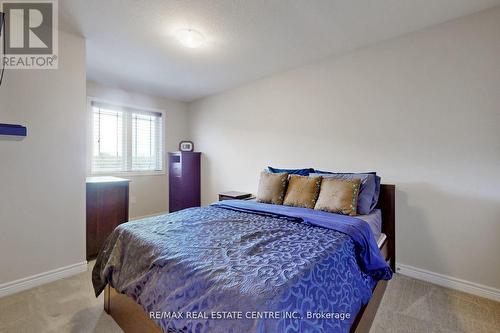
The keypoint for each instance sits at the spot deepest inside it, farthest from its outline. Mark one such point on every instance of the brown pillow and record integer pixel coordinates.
(272, 187)
(338, 196)
(302, 191)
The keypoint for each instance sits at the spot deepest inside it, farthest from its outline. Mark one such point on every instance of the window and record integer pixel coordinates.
(125, 139)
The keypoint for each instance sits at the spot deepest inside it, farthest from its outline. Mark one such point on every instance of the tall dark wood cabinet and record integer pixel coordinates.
(107, 207)
(184, 180)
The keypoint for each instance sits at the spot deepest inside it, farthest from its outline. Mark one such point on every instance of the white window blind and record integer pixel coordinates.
(125, 139)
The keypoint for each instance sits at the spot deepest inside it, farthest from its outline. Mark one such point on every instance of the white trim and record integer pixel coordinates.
(449, 282)
(125, 105)
(36, 280)
(130, 173)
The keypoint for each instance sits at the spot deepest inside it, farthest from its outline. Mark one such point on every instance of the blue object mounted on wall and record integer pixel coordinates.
(13, 130)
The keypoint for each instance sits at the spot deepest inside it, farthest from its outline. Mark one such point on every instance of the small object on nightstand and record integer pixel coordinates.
(235, 195)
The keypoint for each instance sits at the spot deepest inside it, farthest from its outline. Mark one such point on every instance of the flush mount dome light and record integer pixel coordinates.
(190, 38)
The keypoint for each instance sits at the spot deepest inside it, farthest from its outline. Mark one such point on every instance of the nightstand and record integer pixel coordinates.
(107, 207)
(235, 195)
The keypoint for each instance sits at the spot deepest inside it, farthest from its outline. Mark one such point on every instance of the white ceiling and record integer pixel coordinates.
(130, 42)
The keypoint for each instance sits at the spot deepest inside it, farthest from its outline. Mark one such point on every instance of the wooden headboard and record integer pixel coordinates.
(387, 204)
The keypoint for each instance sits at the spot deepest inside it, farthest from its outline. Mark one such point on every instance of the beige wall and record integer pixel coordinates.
(42, 177)
(423, 110)
(148, 194)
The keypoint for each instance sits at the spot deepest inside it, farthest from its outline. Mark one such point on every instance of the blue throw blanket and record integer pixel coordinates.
(367, 251)
(244, 267)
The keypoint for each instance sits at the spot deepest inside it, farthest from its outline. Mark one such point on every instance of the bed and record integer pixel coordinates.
(244, 267)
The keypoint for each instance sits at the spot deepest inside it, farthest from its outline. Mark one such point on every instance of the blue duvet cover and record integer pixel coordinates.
(241, 266)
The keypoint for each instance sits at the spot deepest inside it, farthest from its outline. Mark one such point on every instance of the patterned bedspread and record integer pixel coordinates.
(214, 269)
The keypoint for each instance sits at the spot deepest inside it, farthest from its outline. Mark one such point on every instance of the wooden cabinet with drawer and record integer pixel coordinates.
(107, 207)
(184, 180)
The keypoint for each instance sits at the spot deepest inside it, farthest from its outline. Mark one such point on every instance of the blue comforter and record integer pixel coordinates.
(240, 266)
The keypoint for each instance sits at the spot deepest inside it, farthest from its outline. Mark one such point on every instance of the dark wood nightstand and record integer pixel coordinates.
(235, 195)
(107, 207)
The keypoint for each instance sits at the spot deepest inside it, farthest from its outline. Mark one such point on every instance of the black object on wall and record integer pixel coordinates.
(1, 22)
(2, 40)
(184, 180)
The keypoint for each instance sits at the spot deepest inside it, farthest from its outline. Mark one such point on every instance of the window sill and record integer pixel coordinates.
(129, 174)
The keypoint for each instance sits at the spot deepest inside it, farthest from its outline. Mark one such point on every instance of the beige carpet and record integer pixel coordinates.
(409, 305)
(64, 306)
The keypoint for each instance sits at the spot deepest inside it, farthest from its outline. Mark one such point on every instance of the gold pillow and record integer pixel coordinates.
(338, 196)
(272, 187)
(302, 191)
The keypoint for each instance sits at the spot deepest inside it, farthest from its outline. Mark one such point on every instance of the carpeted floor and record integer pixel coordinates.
(68, 305)
(413, 306)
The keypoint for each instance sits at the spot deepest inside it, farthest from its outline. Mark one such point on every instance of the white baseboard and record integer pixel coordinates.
(449, 282)
(29, 282)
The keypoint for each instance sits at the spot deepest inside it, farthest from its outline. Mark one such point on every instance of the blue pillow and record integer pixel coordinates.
(368, 192)
(300, 172)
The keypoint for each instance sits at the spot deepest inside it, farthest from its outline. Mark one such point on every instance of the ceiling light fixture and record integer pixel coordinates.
(190, 38)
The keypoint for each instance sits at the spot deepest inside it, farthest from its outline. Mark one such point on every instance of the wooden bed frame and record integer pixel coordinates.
(132, 318)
